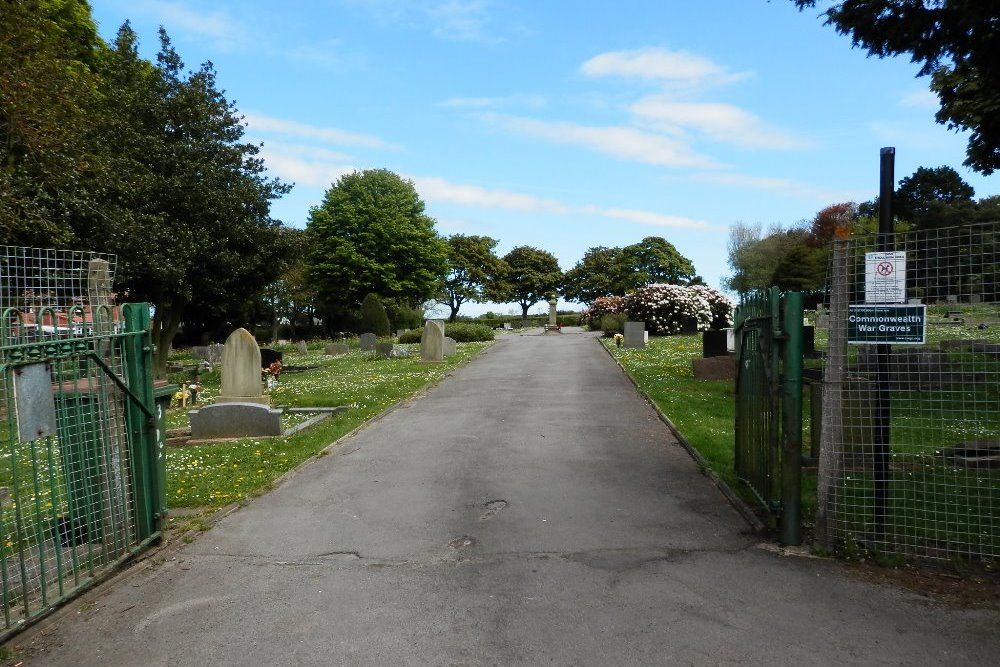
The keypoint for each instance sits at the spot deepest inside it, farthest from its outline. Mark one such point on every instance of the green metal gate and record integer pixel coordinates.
(768, 329)
(82, 466)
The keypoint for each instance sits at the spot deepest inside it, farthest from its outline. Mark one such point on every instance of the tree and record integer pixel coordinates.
(474, 271)
(47, 94)
(534, 276)
(371, 234)
(656, 260)
(373, 317)
(188, 202)
(601, 272)
(617, 271)
(956, 42)
(933, 198)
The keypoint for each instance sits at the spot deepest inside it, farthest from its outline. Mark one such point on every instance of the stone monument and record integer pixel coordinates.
(448, 347)
(368, 341)
(553, 320)
(241, 410)
(635, 334)
(432, 342)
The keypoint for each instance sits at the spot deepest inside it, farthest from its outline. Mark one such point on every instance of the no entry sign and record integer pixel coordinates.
(885, 277)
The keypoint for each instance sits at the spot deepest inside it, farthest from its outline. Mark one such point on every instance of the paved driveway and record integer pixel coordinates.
(529, 510)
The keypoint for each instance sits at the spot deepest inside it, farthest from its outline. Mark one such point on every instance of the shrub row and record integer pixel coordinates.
(462, 332)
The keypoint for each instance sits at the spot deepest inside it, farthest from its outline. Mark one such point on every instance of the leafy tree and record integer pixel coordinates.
(474, 271)
(371, 234)
(190, 202)
(534, 276)
(601, 272)
(956, 42)
(47, 93)
(656, 260)
(932, 197)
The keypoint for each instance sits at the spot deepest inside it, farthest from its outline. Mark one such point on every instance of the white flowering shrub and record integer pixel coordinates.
(670, 309)
(722, 308)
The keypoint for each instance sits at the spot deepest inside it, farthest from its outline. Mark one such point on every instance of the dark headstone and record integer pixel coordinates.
(368, 341)
(383, 350)
(714, 343)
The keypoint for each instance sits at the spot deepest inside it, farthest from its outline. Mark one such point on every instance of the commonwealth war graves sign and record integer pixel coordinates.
(867, 324)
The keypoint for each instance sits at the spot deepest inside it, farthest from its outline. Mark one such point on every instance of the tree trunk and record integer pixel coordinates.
(524, 309)
(454, 305)
(168, 321)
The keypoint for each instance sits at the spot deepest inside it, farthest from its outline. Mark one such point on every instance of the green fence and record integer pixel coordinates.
(82, 466)
(768, 331)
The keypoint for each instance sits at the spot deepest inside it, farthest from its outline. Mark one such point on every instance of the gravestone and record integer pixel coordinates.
(383, 350)
(241, 364)
(400, 353)
(730, 340)
(269, 356)
(215, 352)
(301, 347)
(507, 326)
(951, 298)
(400, 332)
(241, 410)
(336, 349)
(368, 341)
(200, 352)
(714, 343)
(975, 298)
(432, 343)
(635, 334)
(448, 349)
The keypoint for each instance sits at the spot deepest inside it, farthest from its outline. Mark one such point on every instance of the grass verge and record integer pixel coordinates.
(217, 474)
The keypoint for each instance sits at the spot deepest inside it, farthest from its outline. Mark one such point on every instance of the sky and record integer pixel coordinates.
(564, 125)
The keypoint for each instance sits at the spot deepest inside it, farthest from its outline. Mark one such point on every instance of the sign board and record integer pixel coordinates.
(885, 277)
(868, 324)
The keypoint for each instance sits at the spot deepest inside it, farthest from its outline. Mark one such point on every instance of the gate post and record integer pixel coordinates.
(791, 417)
(144, 456)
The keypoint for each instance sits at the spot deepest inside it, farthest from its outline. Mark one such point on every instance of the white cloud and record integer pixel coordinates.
(280, 126)
(520, 100)
(625, 143)
(722, 122)
(461, 20)
(653, 64)
(441, 190)
(920, 99)
(304, 166)
(224, 30)
(438, 189)
(784, 186)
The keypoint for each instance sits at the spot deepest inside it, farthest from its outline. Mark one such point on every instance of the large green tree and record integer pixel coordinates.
(656, 260)
(188, 200)
(370, 234)
(955, 42)
(48, 91)
(616, 271)
(474, 271)
(533, 275)
(933, 198)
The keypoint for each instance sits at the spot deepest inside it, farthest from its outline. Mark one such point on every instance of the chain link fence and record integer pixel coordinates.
(910, 445)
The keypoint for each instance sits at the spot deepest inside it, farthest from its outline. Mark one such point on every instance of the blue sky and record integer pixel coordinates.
(564, 125)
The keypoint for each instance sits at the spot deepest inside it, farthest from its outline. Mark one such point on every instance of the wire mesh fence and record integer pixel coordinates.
(910, 456)
(66, 501)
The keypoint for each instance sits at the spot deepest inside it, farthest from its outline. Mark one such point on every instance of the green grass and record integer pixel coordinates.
(214, 475)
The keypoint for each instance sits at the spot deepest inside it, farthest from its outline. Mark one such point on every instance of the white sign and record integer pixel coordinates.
(885, 277)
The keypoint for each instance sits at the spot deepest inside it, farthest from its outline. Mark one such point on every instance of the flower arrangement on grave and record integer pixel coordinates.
(271, 374)
(619, 339)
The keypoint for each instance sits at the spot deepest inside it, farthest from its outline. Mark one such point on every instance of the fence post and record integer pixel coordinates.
(831, 434)
(791, 417)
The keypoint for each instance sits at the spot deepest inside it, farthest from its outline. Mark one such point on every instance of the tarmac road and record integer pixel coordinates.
(531, 509)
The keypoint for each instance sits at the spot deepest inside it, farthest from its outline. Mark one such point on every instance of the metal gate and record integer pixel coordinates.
(768, 331)
(81, 470)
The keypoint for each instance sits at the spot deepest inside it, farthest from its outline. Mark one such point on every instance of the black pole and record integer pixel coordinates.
(883, 351)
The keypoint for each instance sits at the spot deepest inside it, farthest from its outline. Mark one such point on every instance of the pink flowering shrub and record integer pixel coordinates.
(670, 309)
(602, 305)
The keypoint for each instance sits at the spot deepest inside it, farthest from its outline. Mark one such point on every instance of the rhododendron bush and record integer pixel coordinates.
(668, 309)
(604, 305)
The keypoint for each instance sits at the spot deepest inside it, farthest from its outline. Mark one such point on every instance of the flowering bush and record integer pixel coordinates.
(602, 305)
(722, 307)
(670, 309)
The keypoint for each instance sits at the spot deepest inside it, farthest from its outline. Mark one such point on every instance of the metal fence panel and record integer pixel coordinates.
(910, 459)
